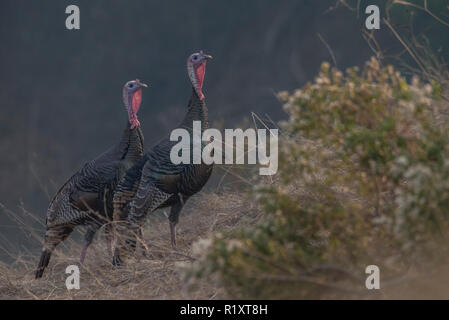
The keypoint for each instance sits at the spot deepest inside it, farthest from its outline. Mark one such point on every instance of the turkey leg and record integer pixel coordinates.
(173, 218)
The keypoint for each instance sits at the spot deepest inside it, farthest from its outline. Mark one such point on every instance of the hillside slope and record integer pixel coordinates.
(153, 276)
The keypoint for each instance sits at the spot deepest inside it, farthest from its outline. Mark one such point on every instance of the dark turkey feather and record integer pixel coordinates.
(86, 198)
(156, 182)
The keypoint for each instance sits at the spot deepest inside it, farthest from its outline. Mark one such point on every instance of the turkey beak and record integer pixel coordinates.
(144, 85)
(207, 57)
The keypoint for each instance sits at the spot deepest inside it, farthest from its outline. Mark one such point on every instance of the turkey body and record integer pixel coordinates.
(87, 197)
(156, 182)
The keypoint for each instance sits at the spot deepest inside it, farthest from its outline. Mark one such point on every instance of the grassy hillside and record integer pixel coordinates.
(363, 179)
(155, 275)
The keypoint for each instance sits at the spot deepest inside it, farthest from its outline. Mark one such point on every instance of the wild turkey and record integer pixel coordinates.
(154, 181)
(86, 198)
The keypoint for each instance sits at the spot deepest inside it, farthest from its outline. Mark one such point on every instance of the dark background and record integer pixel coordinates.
(60, 90)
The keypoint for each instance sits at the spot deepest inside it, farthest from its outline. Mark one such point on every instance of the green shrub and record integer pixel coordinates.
(363, 179)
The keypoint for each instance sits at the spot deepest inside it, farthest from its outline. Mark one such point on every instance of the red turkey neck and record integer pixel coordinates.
(197, 112)
(132, 102)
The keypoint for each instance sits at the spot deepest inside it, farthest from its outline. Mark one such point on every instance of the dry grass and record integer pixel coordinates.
(153, 275)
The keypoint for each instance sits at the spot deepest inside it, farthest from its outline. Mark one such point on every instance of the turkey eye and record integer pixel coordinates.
(195, 57)
(130, 85)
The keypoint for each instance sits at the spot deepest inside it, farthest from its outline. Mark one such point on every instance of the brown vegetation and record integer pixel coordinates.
(153, 276)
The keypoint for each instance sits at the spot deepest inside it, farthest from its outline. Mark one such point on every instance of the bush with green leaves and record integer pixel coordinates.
(363, 179)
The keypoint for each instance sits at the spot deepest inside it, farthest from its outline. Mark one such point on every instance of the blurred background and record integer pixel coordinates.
(60, 90)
